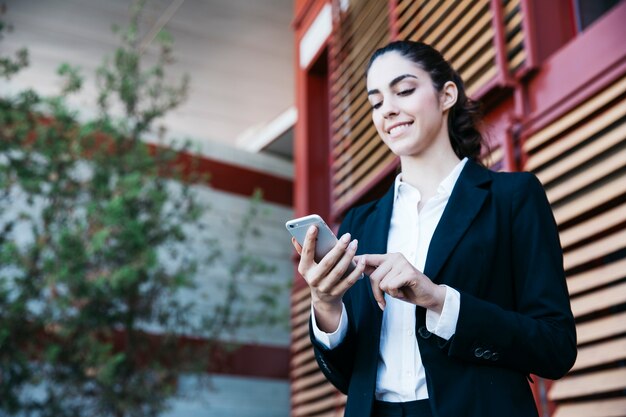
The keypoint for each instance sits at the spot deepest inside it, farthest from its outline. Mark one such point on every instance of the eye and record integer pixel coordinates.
(406, 92)
(377, 105)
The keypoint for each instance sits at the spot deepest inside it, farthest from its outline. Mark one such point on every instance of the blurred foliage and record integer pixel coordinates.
(98, 241)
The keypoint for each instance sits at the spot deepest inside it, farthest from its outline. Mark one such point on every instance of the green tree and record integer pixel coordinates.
(95, 230)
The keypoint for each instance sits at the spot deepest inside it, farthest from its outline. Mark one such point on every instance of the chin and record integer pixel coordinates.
(403, 149)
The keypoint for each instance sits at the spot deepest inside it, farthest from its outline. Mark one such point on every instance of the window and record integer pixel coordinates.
(588, 11)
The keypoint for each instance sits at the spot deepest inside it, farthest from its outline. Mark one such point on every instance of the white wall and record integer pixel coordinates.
(233, 397)
(238, 53)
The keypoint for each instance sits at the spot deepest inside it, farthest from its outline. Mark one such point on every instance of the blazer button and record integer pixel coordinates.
(487, 354)
(478, 352)
(424, 333)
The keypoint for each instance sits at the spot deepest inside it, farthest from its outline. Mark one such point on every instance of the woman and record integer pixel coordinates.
(464, 294)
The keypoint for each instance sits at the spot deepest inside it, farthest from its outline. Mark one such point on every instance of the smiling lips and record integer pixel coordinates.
(398, 128)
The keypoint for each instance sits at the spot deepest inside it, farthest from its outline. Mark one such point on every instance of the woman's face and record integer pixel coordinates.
(409, 114)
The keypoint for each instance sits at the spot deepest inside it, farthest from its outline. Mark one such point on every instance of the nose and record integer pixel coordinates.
(389, 109)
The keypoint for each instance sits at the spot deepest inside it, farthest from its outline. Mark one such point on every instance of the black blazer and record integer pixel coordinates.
(498, 245)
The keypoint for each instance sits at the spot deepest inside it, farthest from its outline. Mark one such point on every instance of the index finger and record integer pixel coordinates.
(379, 295)
(308, 248)
(375, 259)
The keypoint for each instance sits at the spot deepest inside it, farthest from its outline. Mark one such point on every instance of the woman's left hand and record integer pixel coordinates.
(392, 274)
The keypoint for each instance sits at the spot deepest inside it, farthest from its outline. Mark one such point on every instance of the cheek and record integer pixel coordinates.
(378, 122)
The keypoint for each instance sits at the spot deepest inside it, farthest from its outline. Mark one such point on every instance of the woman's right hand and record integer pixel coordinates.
(326, 278)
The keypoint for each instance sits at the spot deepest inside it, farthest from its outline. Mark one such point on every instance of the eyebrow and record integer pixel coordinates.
(392, 83)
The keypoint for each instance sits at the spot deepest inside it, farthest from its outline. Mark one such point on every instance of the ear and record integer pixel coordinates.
(449, 94)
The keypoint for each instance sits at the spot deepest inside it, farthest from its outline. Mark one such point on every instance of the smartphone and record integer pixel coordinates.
(325, 241)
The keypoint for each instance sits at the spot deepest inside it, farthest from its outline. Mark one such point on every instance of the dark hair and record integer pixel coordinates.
(464, 117)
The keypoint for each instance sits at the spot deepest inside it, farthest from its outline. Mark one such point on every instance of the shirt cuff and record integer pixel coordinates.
(444, 324)
(331, 340)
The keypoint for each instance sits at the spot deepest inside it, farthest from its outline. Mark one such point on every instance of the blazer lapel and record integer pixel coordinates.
(376, 227)
(465, 202)
(376, 231)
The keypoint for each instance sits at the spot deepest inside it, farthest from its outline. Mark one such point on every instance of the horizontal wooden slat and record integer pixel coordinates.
(593, 226)
(353, 133)
(417, 12)
(603, 168)
(423, 19)
(599, 300)
(308, 381)
(576, 137)
(315, 407)
(478, 64)
(597, 277)
(562, 165)
(472, 49)
(405, 5)
(347, 121)
(298, 345)
(494, 157)
(593, 330)
(300, 318)
(515, 41)
(515, 21)
(576, 115)
(361, 14)
(300, 331)
(303, 369)
(314, 393)
(458, 36)
(588, 384)
(354, 63)
(365, 156)
(475, 86)
(595, 250)
(366, 137)
(614, 407)
(335, 412)
(442, 29)
(510, 6)
(302, 357)
(358, 187)
(468, 31)
(300, 294)
(302, 305)
(518, 59)
(369, 33)
(369, 165)
(591, 199)
(600, 354)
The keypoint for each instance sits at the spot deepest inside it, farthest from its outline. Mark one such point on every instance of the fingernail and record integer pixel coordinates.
(382, 307)
(362, 260)
(311, 230)
(353, 244)
(345, 238)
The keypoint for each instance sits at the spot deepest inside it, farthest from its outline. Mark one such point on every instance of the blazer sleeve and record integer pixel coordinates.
(337, 363)
(539, 336)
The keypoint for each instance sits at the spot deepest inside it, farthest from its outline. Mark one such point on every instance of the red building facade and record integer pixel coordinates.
(552, 79)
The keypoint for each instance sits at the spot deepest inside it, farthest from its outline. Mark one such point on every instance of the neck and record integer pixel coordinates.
(426, 171)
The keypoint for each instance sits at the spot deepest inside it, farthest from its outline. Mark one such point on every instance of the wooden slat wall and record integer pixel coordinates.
(312, 395)
(357, 152)
(461, 30)
(516, 53)
(581, 160)
(494, 160)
